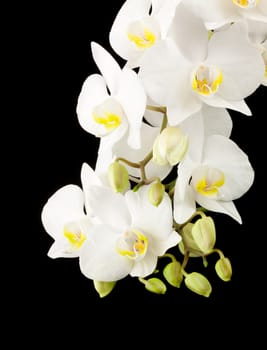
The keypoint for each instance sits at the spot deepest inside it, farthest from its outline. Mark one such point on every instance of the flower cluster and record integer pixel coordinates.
(165, 158)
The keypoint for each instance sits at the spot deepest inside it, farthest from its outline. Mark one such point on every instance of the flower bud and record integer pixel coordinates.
(173, 273)
(204, 234)
(118, 177)
(198, 283)
(188, 242)
(103, 288)
(155, 285)
(170, 146)
(224, 269)
(155, 193)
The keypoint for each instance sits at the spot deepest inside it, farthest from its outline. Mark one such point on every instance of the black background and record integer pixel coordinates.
(59, 147)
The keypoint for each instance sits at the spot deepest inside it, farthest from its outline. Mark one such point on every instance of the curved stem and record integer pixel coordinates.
(156, 109)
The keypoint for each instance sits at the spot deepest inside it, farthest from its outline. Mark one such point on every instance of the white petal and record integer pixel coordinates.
(88, 178)
(220, 207)
(132, 97)
(130, 11)
(213, 12)
(160, 247)
(104, 156)
(144, 267)
(109, 207)
(186, 106)
(108, 67)
(99, 259)
(233, 162)
(164, 11)
(241, 63)
(184, 204)
(189, 34)
(143, 214)
(193, 127)
(63, 206)
(165, 73)
(216, 121)
(61, 249)
(93, 93)
(219, 102)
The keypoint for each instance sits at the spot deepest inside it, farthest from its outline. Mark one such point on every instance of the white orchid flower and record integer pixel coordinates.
(64, 220)
(221, 174)
(112, 114)
(135, 29)
(188, 70)
(216, 13)
(67, 216)
(129, 240)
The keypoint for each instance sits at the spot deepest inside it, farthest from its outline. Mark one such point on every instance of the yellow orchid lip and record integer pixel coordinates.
(246, 3)
(76, 239)
(206, 79)
(208, 181)
(132, 244)
(109, 120)
(108, 114)
(143, 33)
(145, 41)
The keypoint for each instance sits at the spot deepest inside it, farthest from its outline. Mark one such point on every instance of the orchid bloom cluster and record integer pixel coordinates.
(165, 159)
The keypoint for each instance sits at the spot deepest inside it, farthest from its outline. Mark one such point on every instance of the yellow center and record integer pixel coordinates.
(210, 183)
(132, 244)
(246, 3)
(109, 120)
(145, 41)
(206, 80)
(76, 240)
(265, 73)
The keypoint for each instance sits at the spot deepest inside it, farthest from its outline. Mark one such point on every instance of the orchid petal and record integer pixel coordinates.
(99, 259)
(143, 214)
(108, 67)
(65, 205)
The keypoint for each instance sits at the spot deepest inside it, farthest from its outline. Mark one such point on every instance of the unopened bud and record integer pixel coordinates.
(173, 273)
(103, 288)
(155, 193)
(224, 269)
(170, 146)
(188, 243)
(198, 283)
(118, 177)
(155, 285)
(204, 234)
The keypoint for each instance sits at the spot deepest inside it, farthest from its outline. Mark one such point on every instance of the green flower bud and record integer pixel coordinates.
(155, 285)
(118, 177)
(204, 234)
(198, 283)
(170, 146)
(104, 288)
(155, 193)
(173, 273)
(188, 242)
(224, 269)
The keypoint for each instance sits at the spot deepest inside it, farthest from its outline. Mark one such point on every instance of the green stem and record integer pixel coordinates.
(128, 162)
(218, 251)
(168, 255)
(142, 280)
(184, 263)
(156, 109)
(142, 164)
